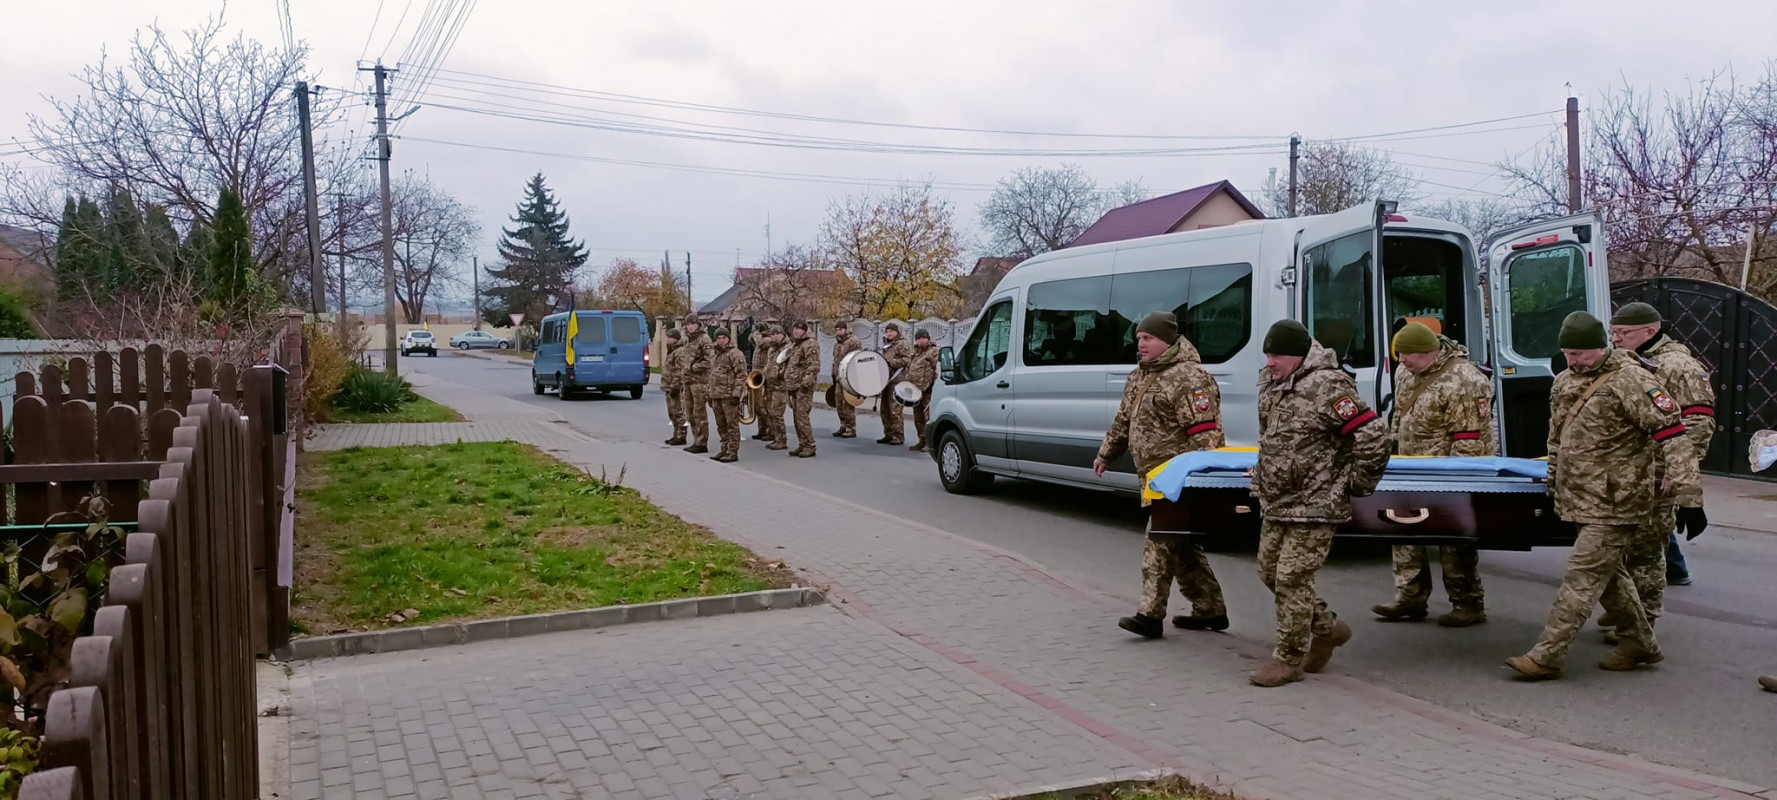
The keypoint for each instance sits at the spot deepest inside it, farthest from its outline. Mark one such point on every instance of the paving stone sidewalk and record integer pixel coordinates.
(923, 621)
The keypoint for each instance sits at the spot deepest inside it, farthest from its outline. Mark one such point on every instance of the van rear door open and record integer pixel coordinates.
(1339, 294)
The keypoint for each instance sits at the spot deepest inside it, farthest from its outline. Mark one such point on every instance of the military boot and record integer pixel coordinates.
(803, 452)
(697, 448)
(1462, 618)
(1274, 673)
(1142, 625)
(777, 446)
(884, 440)
(919, 447)
(676, 440)
(725, 458)
(1628, 657)
(1529, 668)
(1320, 651)
(1399, 612)
(1218, 622)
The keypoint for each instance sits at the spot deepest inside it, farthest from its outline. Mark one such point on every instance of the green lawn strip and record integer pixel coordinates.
(477, 530)
(1164, 789)
(420, 410)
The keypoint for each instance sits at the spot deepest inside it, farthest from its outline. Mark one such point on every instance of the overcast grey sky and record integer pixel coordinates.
(1325, 69)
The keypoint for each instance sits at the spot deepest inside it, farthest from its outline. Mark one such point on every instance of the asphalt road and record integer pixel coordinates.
(1700, 709)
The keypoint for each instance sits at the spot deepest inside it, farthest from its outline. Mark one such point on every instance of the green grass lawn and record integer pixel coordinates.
(1164, 789)
(417, 410)
(476, 530)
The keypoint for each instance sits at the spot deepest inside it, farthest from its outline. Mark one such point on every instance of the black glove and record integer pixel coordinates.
(1692, 521)
(1358, 491)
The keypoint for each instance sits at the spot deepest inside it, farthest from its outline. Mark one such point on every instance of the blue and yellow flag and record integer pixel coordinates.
(573, 327)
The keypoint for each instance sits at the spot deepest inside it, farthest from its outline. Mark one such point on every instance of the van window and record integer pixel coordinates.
(987, 347)
(1214, 305)
(1545, 286)
(626, 330)
(591, 330)
(1070, 322)
(1341, 315)
(552, 332)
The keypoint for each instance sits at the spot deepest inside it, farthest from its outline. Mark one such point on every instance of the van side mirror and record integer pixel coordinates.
(947, 364)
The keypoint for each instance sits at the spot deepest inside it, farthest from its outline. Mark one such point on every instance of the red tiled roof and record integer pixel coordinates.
(1158, 215)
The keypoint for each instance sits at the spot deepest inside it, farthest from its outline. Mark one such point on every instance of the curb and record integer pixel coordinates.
(396, 639)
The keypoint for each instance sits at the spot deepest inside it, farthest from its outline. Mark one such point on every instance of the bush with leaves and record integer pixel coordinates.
(330, 362)
(368, 391)
(15, 317)
(19, 752)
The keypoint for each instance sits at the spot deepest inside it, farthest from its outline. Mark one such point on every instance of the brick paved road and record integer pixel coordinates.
(957, 619)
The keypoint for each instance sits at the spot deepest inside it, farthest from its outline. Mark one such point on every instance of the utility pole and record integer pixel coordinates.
(476, 262)
(1573, 155)
(689, 303)
(340, 228)
(1295, 153)
(390, 345)
(317, 273)
(768, 238)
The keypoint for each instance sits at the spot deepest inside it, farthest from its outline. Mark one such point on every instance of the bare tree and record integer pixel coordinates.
(797, 282)
(900, 249)
(1035, 210)
(434, 234)
(1334, 175)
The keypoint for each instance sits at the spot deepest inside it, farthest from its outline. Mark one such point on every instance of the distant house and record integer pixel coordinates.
(1206, 206)
(760, 292)
(975, 287)
(24, 259)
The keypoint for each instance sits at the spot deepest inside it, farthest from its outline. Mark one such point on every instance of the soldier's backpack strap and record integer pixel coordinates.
(1584, 396)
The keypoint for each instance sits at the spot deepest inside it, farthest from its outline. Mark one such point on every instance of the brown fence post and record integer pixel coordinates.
(103, 376)
(74, 736)
(154, 377)
(57, 784)
(103, 663)
(138, 595)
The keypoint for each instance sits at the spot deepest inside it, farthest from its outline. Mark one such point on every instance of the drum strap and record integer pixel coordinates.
(1581, 403)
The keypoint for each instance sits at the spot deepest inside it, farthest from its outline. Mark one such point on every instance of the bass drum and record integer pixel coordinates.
(863, 373)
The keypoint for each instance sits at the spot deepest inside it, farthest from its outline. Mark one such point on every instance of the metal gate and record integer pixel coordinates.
(1735, 335)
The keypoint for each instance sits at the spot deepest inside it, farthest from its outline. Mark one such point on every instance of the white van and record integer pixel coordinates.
(1032, 391)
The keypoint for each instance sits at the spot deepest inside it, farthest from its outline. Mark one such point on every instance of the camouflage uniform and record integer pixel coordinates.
(898, 356)
(923, 373)
(1316, 449)
(844, 343)
(777, 396)
(1603, 475)
(1170, 406)
(799, 375)
(1445, 410)
(728, 381)
(672, 384)
(700, 355)
(1687, 381)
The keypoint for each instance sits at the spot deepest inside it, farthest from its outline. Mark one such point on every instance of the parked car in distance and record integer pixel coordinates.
(419, 342)
(473, 339)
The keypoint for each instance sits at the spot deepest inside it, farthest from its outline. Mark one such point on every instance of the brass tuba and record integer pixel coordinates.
(755, 397)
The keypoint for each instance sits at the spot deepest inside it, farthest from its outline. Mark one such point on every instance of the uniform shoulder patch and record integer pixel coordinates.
(1346, 407)
(1200, 399)
(1662, 400)
(1483, 407)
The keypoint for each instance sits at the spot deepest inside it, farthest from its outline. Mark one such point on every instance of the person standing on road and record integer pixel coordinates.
(1170, 406)
(897, 354)
(1654, 558)
(1609, 422)
(1318, 448)
(777, 394)
(922, 371)
(699, 357)
(1443, 406)
(844, 344)
(672, 384)
(800, 371)
(728, 381)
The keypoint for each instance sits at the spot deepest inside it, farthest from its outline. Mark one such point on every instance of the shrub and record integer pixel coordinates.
(367, 391)
(329, 363)
(15, 317)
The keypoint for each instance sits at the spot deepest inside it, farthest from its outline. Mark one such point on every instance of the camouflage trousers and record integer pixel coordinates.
(922, 414)
(696, 405)
(728, 424)
(1290, 553)
(771, 418)
(894, 423)
(1462, 576)
(1646, 558)
(1166, 558)
(848, 414)
(1596, 570)
(675, 410)
(801, 409)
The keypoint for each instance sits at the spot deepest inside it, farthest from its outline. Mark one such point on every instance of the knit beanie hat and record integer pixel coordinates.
(674, 334)
(718, 332)
(1582, 331)
(922, 333)
(892, 327)
(1162, 325)
(1637, 313)
(1287, 337)
(801, 325)
(1415, 338)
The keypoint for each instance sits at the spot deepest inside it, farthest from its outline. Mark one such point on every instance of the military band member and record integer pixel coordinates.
(728, 381)
(923, 373)
(672, 384)
(1610, 421)
(800, 372)
(699, 357)
(777, 394)
(1170, 406)
(765, 362)
(897, 353)
(1319, 446)
(844, 344)
(1443, 407)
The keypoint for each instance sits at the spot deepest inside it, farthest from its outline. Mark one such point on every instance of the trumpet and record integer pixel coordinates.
(754, 398)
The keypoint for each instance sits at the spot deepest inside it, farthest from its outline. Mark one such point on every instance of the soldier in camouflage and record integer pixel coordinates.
(1443, 406)
(699, 356)
(728, 382)
(1610, 423)
(672, 384)
(922, 372)
(1319, 446)
(898, 354)
(844, 343)
(801, 371)
(1170, 406)
(777, 394)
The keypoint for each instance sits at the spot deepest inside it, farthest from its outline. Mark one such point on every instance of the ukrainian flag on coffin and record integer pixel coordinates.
(1168, 480)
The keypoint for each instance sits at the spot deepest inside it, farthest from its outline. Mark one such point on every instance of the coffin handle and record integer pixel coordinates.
(1421, 515)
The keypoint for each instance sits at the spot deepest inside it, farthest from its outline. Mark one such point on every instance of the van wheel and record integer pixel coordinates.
(635, 392)
(562, 392)
(956, 466)
(536, 385)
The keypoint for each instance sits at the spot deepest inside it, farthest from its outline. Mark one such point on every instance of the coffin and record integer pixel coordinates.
(1493, 503)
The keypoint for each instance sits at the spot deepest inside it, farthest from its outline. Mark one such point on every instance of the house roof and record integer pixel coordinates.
(732, 294)
(1158, 215)
(27, 242)
(997, 265)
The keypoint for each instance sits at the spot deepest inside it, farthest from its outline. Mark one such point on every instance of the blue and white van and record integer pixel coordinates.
(608, 352)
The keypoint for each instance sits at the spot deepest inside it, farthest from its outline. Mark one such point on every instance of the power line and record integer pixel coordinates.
(397, 31)
(372, 32)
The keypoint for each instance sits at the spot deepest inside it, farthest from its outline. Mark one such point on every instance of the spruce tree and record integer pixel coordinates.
(231, 249)
(126, 243)
(164, 256)
(539, 258)
(81, 246)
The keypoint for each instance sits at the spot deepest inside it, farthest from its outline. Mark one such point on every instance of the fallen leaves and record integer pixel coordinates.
(403, 615)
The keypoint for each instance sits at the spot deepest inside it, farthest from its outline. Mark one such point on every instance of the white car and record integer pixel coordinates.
(419, 342)
(473, 339)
